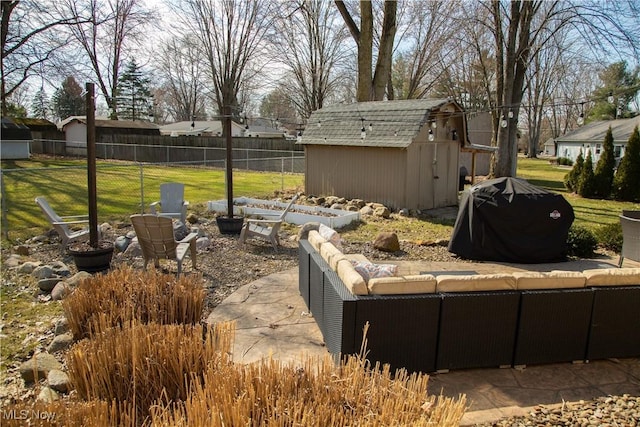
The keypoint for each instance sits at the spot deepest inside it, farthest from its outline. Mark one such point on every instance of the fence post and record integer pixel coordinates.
(282, 173)
(3, 197)
(141, 188)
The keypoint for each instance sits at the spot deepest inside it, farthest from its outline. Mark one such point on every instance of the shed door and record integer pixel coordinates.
(435, 181)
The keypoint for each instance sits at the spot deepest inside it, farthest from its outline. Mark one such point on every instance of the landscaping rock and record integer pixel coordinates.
(59, 381)
(121, 243)
(180, 230)
(134, 249)
(303, 233)
(202, 243)
(47, 285)
(192, 218)
(38, 367)
(61, 326)
(77, 278)
(42, 272)
(337, 206)
(13, 261)
(60, 269)
(366, 210)
(60, 342)
(22, 250)
(47, 395)
(28, 267)
(61, 290)
(387, 241)
(382, 211)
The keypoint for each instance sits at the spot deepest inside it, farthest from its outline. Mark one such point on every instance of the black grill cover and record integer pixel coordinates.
(510, 220)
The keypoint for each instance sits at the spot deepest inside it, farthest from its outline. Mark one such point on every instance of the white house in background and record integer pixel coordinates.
(256, 131)
(590, 138)
(200, 128)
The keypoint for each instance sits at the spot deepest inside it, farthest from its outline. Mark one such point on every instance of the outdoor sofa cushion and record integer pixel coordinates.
(331, 254)
(556, 279)
(351, 278)
(612, 277)
(316, 240)
(475, 282)
(414, 284)
(369, 270)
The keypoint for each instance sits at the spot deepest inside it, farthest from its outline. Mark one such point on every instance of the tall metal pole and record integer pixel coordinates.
(226, 130)
(91, 165)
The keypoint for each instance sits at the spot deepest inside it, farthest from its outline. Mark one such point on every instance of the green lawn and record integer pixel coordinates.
(590, 213)
(122, 188)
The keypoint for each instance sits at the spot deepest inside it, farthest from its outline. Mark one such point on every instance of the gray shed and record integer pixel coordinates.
(404, 154)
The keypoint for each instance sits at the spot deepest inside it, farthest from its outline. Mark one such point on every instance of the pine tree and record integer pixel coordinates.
(68, 100)
(626, 182)
(605, 168)
(133, 94)
(572, 178)
(586, 183)
(40, 105)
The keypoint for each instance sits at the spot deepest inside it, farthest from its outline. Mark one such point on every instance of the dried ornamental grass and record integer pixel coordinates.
(124, 294)
(68, 414)
(270, 393)
(147, 364)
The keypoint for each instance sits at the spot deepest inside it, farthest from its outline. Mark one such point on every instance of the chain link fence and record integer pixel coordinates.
(125, 188)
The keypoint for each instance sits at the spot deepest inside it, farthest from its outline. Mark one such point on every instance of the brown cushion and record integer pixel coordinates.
(612, 276)
(351, 278)
(415, 284)
(316, 240)
(549, 280)
(475, 282)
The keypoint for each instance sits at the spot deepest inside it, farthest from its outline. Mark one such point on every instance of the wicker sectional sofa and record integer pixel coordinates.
(431, 323)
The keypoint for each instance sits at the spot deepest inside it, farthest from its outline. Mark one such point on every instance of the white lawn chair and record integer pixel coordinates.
(62, 223)
(157, 240)
(172, 203)
(266, 229)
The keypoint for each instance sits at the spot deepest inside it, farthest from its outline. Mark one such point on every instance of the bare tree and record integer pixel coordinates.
(182, 71)
(230, 36)
(429, 55)
(107, 30)
(309, 43)
(31, 40)
(372, 84)
(520, 28)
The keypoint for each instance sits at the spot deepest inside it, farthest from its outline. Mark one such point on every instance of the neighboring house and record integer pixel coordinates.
(200, 128)
(265, 132)
(75, 130)
(404, 154)
(41, 128)
(549, 148)
(590, 138)
(15, 140)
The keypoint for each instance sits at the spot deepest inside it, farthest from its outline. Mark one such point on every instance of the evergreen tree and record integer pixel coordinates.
(619, 83)
(68, 100)
(605, 168)
(133, 94)
(40, 105)
(572, 178)
(626, 182)
(586, 183)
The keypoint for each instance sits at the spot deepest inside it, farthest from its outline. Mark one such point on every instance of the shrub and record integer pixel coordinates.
(572, 178)
(605, 167)
(586, 182)
(123, 295)
(581, 242)
(627, 177)
(610, 237)
(565, 161)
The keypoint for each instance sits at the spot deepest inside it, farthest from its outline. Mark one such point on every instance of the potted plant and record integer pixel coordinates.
(94, 255)
(230, 224)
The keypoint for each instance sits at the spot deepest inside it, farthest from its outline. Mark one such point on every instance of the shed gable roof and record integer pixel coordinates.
(393, 123)
(596, 131)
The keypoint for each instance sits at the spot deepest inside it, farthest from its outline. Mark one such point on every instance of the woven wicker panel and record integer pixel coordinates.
(339, 316)
(403, 330)
(304, 250)
(615, 323)
(554, 326)
(316, 287)
(477, 329)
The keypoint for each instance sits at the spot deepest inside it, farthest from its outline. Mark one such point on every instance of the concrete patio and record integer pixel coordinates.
(273, 321)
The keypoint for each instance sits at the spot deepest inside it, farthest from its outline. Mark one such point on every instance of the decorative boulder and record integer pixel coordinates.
(387, 242)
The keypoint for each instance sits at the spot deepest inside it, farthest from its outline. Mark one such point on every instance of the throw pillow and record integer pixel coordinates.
(330, 235)
(369, 270)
